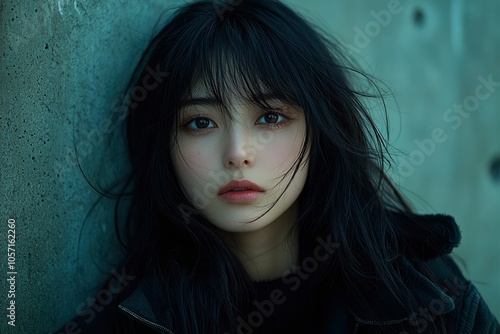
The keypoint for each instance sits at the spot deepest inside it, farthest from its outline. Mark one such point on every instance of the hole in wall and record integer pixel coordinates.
(418, 17)
(495, 169)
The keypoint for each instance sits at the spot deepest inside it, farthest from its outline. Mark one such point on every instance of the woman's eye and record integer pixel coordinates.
(200, 123)
(271, 118)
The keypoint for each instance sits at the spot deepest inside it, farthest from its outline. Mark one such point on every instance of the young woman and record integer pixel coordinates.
(260, 203)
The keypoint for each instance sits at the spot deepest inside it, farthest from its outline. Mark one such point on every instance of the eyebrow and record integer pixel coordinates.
(212, 101)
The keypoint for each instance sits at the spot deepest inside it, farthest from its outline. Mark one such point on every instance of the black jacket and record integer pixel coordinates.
(454, 298)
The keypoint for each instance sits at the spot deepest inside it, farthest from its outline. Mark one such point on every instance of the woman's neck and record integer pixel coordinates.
(267, 253)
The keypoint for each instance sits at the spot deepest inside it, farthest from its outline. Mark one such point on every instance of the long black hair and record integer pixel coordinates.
(269, 48)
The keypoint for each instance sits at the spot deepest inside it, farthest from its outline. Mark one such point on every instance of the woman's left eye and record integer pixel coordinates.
(272, 119)
(200, 123)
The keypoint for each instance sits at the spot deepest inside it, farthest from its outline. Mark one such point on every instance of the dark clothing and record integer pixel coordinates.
(309, 310)
(299, 306)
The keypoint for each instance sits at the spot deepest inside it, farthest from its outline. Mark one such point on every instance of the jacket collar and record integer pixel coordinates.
(375, 304)
(429, 237)
(146, 305)
(369, 305)
(384, 308)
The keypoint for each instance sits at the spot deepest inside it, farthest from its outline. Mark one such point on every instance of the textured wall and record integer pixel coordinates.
(441, 60)
(63, 63)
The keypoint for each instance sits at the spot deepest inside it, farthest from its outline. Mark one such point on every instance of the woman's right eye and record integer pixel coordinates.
(200, 123)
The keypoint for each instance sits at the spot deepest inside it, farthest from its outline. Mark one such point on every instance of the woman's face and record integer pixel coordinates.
(256, 145)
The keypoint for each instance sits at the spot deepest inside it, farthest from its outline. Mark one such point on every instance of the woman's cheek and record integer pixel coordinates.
(200, 160)
(280, 153)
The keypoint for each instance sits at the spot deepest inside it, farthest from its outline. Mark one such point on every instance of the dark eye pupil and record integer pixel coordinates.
(271, 118)
(202, 123)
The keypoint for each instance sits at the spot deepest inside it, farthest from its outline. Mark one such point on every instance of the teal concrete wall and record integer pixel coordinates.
(63, 64)
(441, 61)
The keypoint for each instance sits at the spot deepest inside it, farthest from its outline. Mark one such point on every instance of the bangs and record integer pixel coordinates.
(245, 60)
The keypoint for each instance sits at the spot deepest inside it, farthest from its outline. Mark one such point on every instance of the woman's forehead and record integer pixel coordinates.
(201, 95)
(208, 99)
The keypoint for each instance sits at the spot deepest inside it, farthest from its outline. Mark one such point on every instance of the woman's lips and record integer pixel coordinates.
(241, 196)
(240, 191)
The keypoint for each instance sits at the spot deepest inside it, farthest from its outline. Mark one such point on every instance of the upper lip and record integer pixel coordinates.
(239, 184)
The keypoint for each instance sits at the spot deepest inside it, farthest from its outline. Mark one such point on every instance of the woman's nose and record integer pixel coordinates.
(239, 151)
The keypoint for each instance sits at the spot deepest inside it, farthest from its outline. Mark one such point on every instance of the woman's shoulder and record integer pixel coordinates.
(112, 316)
(471, 314)
(428, 269)
(441, 290)
(429, 240)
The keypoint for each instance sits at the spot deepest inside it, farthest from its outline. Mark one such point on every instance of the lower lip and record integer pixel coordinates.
(244, 196)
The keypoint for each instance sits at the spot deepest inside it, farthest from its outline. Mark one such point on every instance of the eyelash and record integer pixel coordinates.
(285, 121)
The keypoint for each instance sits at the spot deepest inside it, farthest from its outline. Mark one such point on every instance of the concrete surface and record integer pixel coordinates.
(64, 62)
